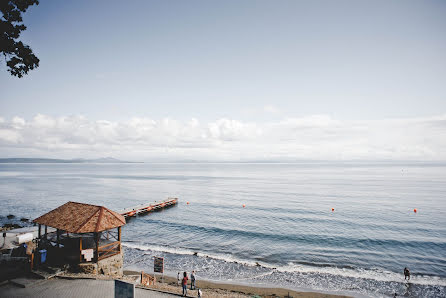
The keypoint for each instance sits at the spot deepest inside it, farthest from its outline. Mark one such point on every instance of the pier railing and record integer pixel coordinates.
(144, 208)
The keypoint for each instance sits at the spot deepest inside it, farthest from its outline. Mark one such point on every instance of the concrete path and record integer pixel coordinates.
(79, 288)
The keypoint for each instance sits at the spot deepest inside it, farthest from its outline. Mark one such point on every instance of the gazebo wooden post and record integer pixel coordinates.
(80, 250)
(46, 232)
(57, 235)
(96, 238)
(119, 238)
(40, 231)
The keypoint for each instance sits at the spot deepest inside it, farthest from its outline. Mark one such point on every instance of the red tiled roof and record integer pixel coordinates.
(81, 218)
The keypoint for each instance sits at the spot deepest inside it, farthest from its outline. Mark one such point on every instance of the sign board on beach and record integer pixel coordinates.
(158, 265)
(124, 289)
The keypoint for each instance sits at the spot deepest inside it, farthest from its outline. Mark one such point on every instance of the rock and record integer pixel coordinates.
(12, 226)
(10, 216)
(88, 268)
(23, 219)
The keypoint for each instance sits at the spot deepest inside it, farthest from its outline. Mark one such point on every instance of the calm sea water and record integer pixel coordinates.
(287, 226)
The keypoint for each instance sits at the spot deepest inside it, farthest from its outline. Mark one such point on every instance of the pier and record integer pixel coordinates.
(145, 208)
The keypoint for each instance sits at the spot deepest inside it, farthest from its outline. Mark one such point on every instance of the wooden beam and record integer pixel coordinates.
(40, 231)
(119, 238)
(98, 223)
(80, 250)
(46, 232)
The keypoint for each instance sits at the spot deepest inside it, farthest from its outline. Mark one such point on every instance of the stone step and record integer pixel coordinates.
(47, 273)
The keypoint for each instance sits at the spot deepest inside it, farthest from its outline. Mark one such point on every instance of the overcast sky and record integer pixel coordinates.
(230, 80)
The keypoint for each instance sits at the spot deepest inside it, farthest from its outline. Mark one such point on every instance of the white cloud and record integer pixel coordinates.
(9, 136)
(312, 137)
(271, 109)
(18, 122)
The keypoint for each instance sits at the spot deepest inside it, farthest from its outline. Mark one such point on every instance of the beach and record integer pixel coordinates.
(215, 289)
(82, 285)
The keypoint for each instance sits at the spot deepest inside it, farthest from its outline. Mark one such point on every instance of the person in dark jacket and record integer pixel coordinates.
(406, 273)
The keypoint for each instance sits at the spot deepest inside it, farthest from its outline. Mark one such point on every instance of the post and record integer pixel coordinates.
(46, 232)
(96, 236)
(119, 238)
(40, 231)
(32, 260)
(80, 250)
(57, 233)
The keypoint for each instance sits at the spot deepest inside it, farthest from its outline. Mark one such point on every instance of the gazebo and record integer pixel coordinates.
(85, 235)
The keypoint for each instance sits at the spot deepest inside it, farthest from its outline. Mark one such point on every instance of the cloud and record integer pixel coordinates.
(312, 137)
(271, 109)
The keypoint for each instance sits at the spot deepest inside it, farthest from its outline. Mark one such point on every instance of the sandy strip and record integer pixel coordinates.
(213, 289)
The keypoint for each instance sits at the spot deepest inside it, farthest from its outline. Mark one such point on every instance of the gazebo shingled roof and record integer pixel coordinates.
(76, 217)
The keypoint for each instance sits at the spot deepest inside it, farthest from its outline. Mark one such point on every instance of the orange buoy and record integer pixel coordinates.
(415, 210)
(244, 205)
(332, 209)
(187, 202)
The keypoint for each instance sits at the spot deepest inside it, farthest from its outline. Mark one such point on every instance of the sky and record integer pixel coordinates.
(230, 81)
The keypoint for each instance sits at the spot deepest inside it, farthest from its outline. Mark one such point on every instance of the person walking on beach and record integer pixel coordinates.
(192, 280)
(406, 273)
(185, 284)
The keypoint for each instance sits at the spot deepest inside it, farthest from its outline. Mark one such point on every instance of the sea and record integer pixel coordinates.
(344, 228)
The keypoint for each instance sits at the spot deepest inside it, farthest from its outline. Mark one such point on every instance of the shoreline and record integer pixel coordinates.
(229, 289)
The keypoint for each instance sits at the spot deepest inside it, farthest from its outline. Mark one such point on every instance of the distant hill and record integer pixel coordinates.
(52, 160)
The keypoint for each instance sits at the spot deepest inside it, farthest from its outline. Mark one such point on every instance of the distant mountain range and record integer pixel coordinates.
(52, 160)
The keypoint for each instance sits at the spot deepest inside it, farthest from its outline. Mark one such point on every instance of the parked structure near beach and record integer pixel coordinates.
(88, 237)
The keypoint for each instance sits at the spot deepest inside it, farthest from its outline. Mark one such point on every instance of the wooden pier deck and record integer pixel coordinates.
(145, 208)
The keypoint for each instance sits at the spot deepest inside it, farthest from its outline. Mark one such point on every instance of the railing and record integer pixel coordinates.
(109, 250)
(147, 279)
(144, 208)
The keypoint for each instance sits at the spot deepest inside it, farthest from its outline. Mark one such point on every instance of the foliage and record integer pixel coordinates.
(19, 57)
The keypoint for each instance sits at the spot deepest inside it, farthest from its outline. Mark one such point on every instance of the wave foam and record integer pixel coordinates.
(374, 274)
(183, 251)
(360, 273)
